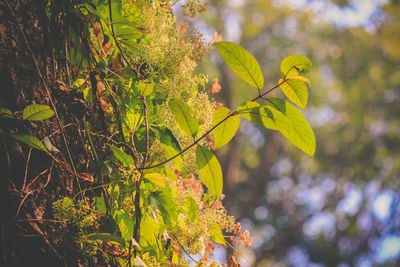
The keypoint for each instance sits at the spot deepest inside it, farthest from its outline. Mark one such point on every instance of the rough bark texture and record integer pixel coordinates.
(30, 180)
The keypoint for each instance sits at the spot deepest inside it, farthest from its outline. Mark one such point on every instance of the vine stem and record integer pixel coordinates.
(234, 113)
(115, 37)
(138, 212)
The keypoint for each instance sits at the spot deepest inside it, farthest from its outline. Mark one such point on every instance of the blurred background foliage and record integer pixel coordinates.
(340, 208)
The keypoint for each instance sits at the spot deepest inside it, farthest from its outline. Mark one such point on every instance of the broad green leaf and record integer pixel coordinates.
(216, 234)
(149, 229)
(29, 140)
(37, 112)
(241, 62)
(295, 64)
(156, 178)
(183, 116)
(145, 89)
(140, 138)
(133, 118)
(284, 117)
(296, 91)
(166, 205)
(125, 225)
(168, 138)
(296, 128)
(177, 162)
(106, 237)
(171, 146)
(258, 114)
(226, 130)
(124, 158)
(209, 170)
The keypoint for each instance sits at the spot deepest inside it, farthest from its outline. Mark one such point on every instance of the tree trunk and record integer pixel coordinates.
(30, 181)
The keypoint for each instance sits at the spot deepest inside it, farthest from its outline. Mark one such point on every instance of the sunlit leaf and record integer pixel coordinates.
(124, 158)
(241, 62)
(300, 78)
(183, 116)
(37, 112)
(295, 64)
(125, 224)
(296, 130)
(216, 234)
(145, 89)
(156, 178)
(166, 204)
(226, 130)
(209, 170)
(296, 91)
(149, 229)
(258, 114)
(284, 117)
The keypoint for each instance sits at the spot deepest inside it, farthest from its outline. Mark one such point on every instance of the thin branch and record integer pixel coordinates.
(260, 96)
(270, 90)
(138, 212)
(191, 145)
(115, 37)
(26, 168)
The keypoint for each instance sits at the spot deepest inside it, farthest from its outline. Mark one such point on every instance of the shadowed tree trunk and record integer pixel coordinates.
(30, 180)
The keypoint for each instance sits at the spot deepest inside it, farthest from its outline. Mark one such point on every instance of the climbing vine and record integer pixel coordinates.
(155, 185)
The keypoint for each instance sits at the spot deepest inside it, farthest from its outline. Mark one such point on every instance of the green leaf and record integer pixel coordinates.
(284, 117)
(29, 140)
(156, 178)
(124, 158)
(140, 138)
(258, 114)
(241, 62)
(183, 116)
(216, 234)
(106, 237)
(133, 118)
(301, 78)
(166, 205)
(209, 170)
(296, 91)
(295, 64)
(295, 128)
(168, 138)
(171, 146)
(225, 131)
(145, 89)
(125, 225)
(149, 229)
(36, 112)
